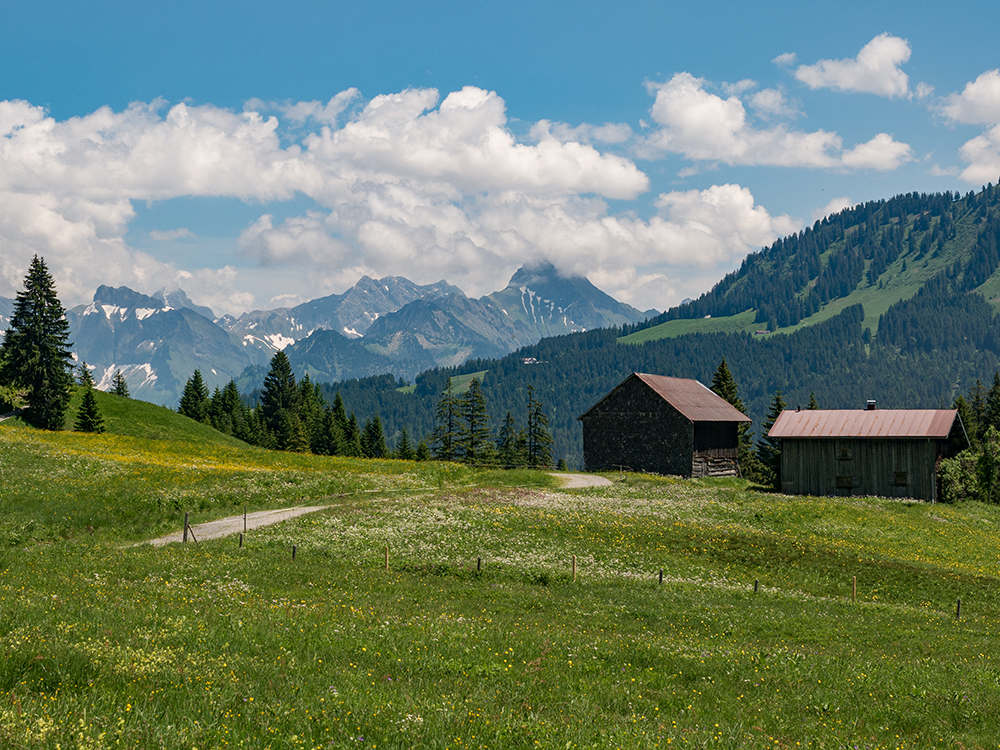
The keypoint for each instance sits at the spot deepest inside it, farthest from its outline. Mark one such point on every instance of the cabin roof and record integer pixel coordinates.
(692, 399)
(864, 423)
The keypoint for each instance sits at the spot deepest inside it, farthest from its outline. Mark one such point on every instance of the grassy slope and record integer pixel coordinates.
(896, 284)
(152, 465)
(211, 646)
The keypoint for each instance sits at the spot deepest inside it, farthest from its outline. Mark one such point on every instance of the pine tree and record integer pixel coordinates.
(724, 385)
(279, 402)
(84, 377)
(88, 418)
(813, 405)
(291, 433)
(474, 441)
(423, 452)
(769, 448)
(194, 400)
(507, 451)
(539, 438)
(311, 408)
(34, 354)
(352, 437)
(333, 435)
(404, 451)
(447, 434)
(118, 385)
(373, 439)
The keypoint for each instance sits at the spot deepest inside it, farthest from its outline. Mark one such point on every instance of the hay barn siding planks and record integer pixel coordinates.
(662, 425)
(888, 453)
(816, 467)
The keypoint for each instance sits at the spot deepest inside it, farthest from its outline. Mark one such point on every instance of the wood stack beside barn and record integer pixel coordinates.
(662, 425)
(882, 452)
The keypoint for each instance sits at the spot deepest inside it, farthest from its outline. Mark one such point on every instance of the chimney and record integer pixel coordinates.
(870, 405)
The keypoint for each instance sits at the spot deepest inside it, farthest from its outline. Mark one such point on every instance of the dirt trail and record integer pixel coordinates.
(576, 481)
(234, 524)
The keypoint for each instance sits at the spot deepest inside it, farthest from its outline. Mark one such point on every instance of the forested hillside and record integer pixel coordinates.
(877, 253)
(924, 265)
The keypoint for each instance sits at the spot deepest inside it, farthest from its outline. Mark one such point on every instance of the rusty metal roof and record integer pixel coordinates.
(695, 401)
(864, 423)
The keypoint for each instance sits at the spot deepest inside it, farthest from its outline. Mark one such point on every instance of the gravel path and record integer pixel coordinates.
(576, 481)
(234, 524)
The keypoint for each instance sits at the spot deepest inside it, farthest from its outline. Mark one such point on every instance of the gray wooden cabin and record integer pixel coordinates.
(662, 425)
(882, 452)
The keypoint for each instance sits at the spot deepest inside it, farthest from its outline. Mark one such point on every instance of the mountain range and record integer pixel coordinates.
(388, 325)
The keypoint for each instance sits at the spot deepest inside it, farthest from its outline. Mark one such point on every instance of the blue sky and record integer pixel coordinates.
(260, 155)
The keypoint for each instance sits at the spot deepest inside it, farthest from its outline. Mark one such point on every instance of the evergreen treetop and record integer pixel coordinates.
(88, 418)
(35, 354)
(118, 385)
(194, 401)
(84, 377)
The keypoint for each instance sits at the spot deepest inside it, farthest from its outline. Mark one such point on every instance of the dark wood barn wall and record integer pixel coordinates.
(635, 428)
(874, 466)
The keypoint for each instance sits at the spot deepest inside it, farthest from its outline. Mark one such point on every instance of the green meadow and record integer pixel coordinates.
(476, 633)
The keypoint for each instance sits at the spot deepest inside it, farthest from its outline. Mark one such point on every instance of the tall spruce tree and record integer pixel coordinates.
(405, 451)
(447, 433)
(539, 448)
(34, 354)
(373, 439)
(508, 444)
(279, 402)
(194, 401)
(724, 385)
(475, 445)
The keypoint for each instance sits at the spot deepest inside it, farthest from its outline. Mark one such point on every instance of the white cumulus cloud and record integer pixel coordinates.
(978, 103)
(874, 71)
(705, 127)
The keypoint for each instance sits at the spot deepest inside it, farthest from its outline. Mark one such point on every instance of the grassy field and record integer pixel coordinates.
(477, 634)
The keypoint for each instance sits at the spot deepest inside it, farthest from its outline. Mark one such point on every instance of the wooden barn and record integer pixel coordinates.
(662, 425)
(882, 452)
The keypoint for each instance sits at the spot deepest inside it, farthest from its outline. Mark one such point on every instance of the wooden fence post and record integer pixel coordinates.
(756, 585)
(241, 541)
(854, 589)
(244, 518)
(958, 610)
(293, 551)
(479, 564)
(661, 576)
(185, 528)
(574, 568)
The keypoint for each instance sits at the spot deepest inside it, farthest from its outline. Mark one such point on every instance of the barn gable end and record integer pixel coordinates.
(662, 425)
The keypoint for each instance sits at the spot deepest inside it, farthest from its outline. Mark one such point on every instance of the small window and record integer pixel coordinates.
(899, 478)
(845, 482)
(844, 454)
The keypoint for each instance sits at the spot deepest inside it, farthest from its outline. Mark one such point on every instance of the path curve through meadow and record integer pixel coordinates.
(577, 481)
(234, 524)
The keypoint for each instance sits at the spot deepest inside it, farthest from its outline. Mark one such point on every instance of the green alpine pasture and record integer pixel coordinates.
(475, 634)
